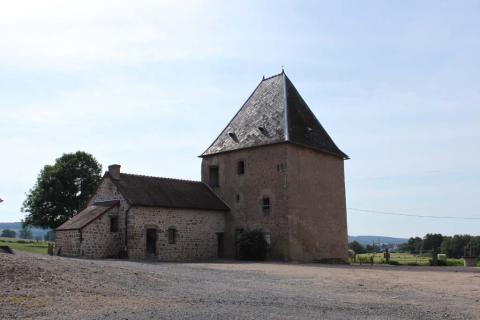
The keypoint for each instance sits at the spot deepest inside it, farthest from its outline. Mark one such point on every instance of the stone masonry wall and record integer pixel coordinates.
(108, 191)
(316, 204)
(98, 241)
(196, 237)
(265, 175)
(68, 242)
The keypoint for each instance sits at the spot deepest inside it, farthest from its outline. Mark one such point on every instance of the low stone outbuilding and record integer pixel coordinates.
(146, 217)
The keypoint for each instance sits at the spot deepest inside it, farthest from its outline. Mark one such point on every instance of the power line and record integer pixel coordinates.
(413, 215)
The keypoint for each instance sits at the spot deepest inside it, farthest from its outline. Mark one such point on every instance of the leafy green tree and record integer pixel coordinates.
(62, 190)
(432, 241)
(371, 248)
(454, 246)
(475, 245)
(356, 247)
(7, 233)
(26, 231)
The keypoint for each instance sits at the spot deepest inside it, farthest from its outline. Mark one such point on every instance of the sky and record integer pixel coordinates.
(150, 84)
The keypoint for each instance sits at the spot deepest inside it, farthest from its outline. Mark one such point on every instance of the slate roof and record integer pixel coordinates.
(275, 112)
(168, 193)
(87, 215)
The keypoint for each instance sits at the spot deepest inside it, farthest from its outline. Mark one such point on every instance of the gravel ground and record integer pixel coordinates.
(43, 287)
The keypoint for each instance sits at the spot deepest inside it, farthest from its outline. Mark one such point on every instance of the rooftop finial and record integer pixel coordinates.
(263, 78)
(283, 71)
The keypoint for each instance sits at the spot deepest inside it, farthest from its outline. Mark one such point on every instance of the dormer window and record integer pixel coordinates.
(262, 130)
(233, 136)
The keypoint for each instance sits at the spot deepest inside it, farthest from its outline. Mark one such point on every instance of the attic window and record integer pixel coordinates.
(262, 130)
(233, 136)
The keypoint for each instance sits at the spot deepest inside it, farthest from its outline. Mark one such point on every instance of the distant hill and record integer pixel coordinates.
(18, 225)
(377, 239)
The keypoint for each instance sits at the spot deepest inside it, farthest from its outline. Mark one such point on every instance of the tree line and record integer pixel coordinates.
(452, 246)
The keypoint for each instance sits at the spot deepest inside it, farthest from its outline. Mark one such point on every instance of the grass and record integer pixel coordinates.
(25, 245)
(398, 258)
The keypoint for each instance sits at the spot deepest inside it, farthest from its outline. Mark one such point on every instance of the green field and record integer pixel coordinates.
(25, 245)
(404, 259)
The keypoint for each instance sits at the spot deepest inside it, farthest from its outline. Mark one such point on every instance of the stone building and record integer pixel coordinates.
(273, 168)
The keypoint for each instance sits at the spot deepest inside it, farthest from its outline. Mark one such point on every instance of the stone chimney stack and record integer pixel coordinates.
(114, 170)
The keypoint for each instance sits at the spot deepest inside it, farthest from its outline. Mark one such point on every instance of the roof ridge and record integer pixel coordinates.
(276, 75)
(164, 178)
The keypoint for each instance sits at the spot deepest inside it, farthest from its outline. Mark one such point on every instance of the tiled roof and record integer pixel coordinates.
(87, 215)
(275, 112)
(168, 193)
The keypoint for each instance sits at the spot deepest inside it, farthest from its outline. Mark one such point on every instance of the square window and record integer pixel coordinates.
(241, 167)
(213, 177)
(113, 224)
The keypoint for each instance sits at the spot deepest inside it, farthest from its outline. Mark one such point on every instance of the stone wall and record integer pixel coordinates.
(307, 220)
(68, 242)
(317, 209)
(98, 241)
(108, 191)
(265, 175)
(196, 237)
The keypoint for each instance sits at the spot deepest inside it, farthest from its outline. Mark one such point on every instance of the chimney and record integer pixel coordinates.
(114, 171)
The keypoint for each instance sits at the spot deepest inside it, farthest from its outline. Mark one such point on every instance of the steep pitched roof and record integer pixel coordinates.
(275, 112)
(87, 215)
(168, 193)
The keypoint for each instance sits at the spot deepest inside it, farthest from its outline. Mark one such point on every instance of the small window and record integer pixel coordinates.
(213, 177)
(113, 224)
(266, 206)
(240, 167)
(172, 235)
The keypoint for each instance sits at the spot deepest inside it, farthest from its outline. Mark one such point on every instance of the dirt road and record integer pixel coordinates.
(42, 287)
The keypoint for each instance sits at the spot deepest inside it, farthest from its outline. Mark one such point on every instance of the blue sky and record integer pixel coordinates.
(150, 84)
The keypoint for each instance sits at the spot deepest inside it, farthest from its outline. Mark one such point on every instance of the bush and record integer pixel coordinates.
(394, 263)
(252, 245)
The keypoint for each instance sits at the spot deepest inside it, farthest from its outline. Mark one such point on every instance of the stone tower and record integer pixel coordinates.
(279, 171)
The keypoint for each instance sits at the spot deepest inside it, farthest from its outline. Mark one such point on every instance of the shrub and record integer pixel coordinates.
(252, 245)
(394, 262)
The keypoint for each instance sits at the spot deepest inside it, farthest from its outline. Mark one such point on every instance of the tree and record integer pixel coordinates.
(7, 233)
(432, 241)
(454, 246)
(413, 245)
(26, 231)
(62, 189)
(356, 247)
(372, 248)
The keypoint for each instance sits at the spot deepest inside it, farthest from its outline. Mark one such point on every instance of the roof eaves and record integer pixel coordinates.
(285, 108)
(93, 219)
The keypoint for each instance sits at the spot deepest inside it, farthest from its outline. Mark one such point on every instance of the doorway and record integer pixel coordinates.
(152, 242)
(220, 244)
